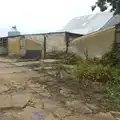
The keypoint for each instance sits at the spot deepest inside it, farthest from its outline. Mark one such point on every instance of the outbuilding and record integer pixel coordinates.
(35, 45)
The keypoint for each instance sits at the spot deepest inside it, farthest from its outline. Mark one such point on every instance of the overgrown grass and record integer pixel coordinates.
(92, 71)
(71, 59)
(105, 70)
(67, 58)
(114, 93)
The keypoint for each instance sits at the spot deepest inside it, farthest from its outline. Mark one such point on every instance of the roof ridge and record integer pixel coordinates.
(93, 14)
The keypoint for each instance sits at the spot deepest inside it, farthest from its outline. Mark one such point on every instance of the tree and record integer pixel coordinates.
(103, 5)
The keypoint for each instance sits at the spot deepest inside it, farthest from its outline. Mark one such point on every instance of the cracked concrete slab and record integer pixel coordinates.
(4, 88)
(80, 117)
(50, 117)
(13, 70)
(20, 64)
(50, 105)
(5, 101)
(104, 116)
(6, 60)
(62, 112)
(5, 65)
(14, 101)
(14, 80)
(31, 113)
(13, 115)
(20, 100)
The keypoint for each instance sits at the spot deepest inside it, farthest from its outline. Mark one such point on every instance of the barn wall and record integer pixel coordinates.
(55, 42)
(3, 46)
(96, 43)
(32, 45)
(14, 45)
(34, 42)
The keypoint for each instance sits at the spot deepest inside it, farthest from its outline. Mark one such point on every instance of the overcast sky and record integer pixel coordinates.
(35, 16)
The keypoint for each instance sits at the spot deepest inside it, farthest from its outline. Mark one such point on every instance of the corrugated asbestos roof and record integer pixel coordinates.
(112, 22)
(84, 24)
(89, 23)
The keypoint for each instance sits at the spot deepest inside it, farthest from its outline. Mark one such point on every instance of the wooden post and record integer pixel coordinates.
(117, 40)
(44, 46)
(67, 41)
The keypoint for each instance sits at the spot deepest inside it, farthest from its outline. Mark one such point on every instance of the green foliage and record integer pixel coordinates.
(114, 93)
(71, 58)
(67, 58)
(105, 70)
(110, 57)
(87, 70)
(115, 75)
(103, 5)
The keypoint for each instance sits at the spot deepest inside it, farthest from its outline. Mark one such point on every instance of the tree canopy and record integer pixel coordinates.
(103, 5)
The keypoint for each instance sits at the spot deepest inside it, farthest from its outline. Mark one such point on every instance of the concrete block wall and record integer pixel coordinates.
(96, 44)
(13, 45)
(34, 42)
(55, 42)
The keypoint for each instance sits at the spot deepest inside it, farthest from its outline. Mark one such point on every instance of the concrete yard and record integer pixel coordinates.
(23, 98)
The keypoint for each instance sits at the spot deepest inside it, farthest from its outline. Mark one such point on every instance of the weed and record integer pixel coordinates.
(114, 94)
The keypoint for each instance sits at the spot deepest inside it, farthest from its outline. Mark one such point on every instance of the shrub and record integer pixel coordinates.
(114, 93)
(71, 58)
(67, 58)
(110, 57)
(87, 70)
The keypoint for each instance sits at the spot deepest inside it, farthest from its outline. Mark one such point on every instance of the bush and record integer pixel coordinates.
(71, 58)
(105, 70)
(114, 88)
(67, 58)
(114, 93)
(110, 57)
(95, 71)
(86, 70)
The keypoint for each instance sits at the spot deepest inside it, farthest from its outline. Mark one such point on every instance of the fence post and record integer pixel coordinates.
(117, 40)
(67, 41)
(44, 46)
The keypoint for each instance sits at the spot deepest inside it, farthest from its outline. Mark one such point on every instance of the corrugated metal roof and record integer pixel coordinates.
(89, 23)
(112, 22)
(80, 31)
